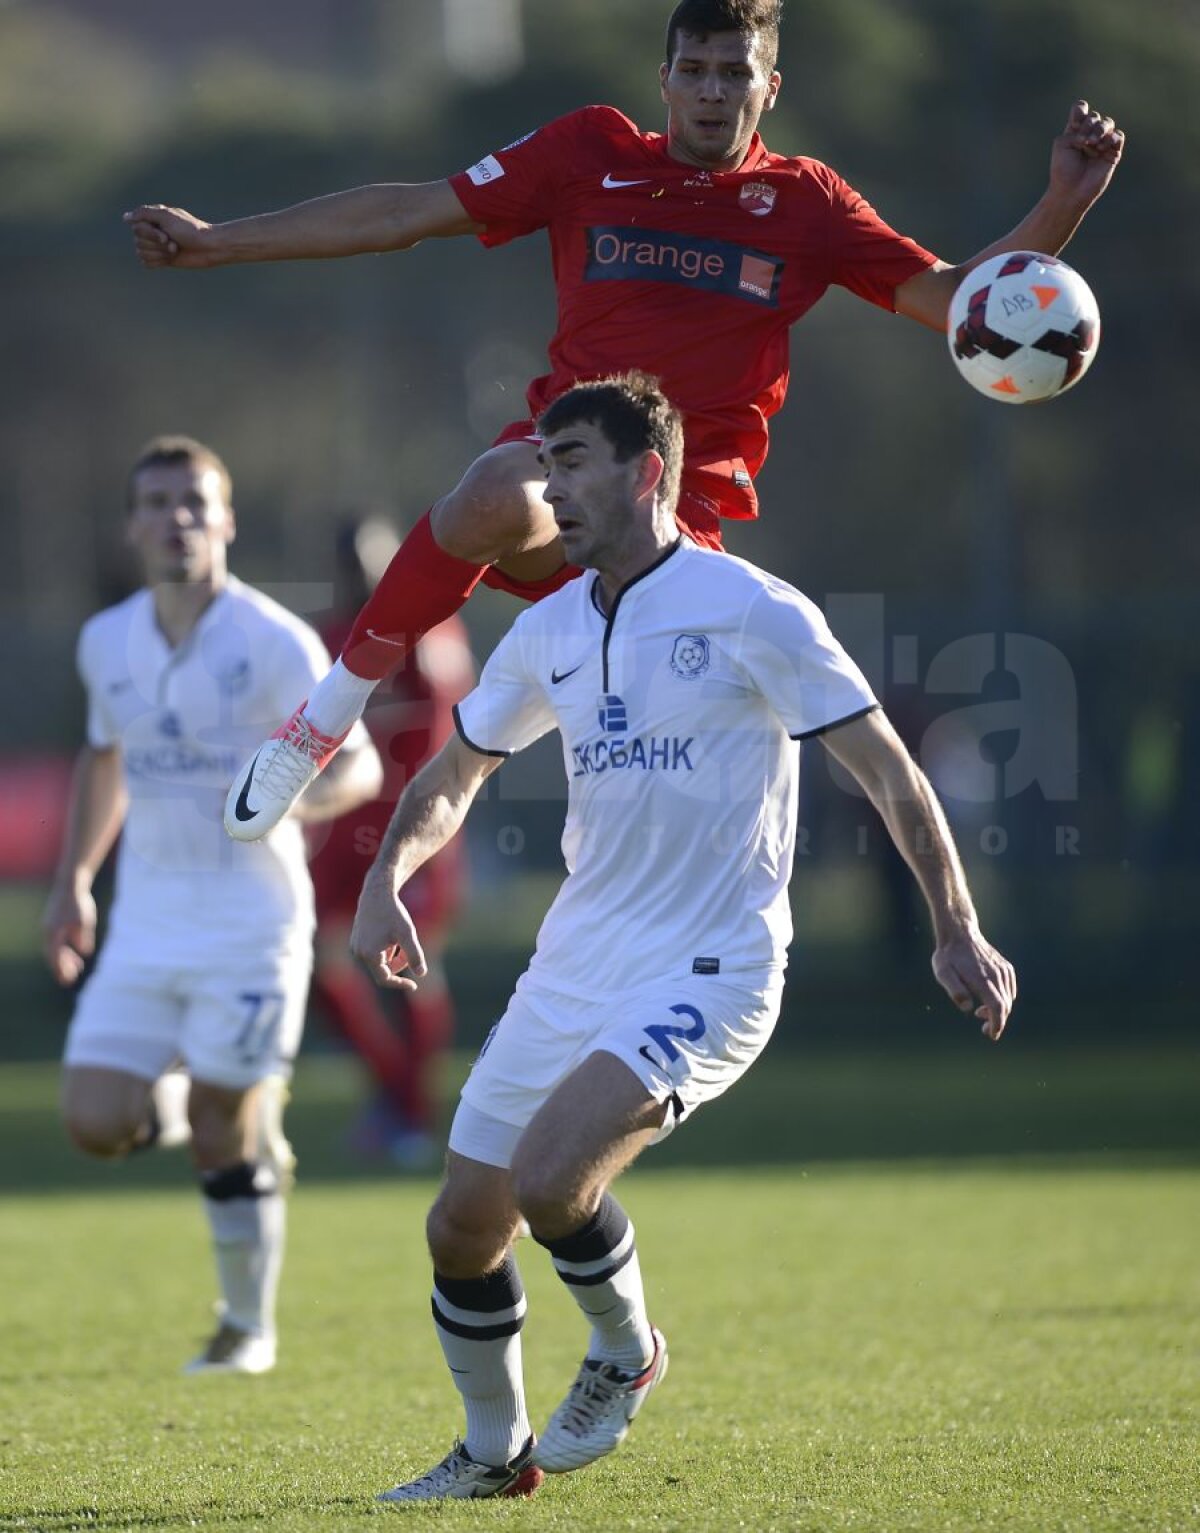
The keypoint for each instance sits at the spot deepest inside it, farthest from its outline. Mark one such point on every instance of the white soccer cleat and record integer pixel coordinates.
(596, 1415)
(275, 776)
(460, 1478)
(230, 1350)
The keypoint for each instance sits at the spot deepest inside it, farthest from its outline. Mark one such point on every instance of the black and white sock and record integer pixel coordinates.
(599, 1265)
(479, 1324)
(248, 1217)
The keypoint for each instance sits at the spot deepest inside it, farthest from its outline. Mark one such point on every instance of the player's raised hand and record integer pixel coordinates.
(1085, 154)
(170, 237)
(384, 938)
(68, 932)
(977, 978)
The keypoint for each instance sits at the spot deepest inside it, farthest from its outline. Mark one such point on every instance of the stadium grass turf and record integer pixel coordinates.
(955, 1345)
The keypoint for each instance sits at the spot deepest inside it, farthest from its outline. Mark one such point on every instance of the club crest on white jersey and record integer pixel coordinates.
(690, 656)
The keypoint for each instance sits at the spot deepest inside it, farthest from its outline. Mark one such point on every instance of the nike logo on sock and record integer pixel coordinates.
(242, 810)
(555, 677)
(381, 639)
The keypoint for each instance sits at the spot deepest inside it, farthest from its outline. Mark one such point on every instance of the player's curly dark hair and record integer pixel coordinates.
(700, 17)
(635, 416)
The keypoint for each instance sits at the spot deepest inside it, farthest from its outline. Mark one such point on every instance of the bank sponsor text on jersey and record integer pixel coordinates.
(656, 753)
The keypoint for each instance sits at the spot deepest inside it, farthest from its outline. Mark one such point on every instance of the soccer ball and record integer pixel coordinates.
(1023, 327)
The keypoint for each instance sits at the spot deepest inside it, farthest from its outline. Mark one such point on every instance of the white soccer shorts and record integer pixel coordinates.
(231, 1023)
(686, 1040)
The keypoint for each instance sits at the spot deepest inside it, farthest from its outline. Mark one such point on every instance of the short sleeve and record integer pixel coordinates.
(509, 708)
(792, 658)
(866, 255)
(102, 731)
(515, 190)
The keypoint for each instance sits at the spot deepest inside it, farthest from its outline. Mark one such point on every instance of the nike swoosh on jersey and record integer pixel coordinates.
(242, 810)
(611, 185)
(556, 677)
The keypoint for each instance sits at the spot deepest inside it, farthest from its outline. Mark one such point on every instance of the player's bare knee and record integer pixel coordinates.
(489, 513)
(461, 1245)
(550, 1198)
(97, 1134)
(218, 1124)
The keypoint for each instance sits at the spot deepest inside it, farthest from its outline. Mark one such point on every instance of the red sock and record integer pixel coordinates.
(421, 587)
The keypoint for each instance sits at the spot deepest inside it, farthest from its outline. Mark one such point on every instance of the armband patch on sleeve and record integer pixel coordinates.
(489, 169)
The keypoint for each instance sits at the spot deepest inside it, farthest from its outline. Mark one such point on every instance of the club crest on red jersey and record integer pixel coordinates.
(757, 197)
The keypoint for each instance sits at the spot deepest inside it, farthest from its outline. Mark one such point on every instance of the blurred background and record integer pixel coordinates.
(1020, 584)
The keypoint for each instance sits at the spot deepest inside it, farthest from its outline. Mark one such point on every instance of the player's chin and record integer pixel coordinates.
(713, 141)
(573, 543)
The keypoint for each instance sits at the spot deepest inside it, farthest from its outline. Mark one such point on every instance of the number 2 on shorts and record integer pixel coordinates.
(662, 1032)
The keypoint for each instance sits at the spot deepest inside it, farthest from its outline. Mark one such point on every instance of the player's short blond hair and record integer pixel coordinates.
(170, 451)
(634, 414)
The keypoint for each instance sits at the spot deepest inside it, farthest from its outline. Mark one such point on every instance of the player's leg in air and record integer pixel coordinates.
(494, 520)
(557, 1174)
(244, 1165)
(233, 1031)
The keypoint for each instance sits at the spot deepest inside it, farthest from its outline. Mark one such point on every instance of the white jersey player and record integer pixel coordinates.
(209, 945)
(680, 681)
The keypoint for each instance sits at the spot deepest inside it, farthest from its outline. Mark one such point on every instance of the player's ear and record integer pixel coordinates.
(663, 71)
(650, 472)
(230, 525)
(773, 85)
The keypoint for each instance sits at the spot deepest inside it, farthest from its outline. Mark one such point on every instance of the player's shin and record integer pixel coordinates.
(478, 1322)
(421, 587)
(599, 1265)
(247, 1215)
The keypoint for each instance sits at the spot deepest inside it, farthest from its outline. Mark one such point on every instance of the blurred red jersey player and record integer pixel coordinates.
(401, 1037)
(686, 254)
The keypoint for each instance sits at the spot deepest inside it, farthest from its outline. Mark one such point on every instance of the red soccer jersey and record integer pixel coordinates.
(694, 276)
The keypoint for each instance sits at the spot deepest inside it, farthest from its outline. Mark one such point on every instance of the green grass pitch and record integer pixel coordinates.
(923, 1344)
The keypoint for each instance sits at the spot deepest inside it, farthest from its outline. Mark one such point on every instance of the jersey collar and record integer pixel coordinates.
(651, 569)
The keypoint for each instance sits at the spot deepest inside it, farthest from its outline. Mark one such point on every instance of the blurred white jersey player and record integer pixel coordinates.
(208, 952)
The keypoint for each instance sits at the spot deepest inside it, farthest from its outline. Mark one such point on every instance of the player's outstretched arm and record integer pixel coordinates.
(1082, 161)
(973, 974)
(95, 814)
(364, 220)
(430, 811)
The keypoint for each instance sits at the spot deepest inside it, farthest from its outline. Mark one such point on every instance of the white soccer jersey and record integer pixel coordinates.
(184, 719)
(679, 714)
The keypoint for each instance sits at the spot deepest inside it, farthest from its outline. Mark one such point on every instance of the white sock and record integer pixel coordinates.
(599, 1265)
(169, 1104)
(337, 700)
(478, 1323)
(248, 1217)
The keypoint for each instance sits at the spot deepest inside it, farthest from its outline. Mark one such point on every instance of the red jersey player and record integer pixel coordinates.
(687, 254)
